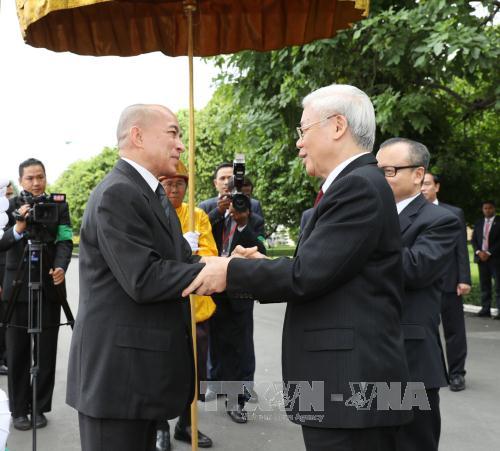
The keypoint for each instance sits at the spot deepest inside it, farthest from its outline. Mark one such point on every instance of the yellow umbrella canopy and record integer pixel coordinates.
(133, 27)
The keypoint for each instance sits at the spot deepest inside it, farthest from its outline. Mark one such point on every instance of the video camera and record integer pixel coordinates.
(43, 209)
(241, 202)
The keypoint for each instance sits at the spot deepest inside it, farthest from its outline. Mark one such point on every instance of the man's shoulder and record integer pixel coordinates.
(452, 208)
(207, 203)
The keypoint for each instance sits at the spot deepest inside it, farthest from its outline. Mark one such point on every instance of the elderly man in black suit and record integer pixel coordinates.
(131, 360)
(343, 287)
(457, 282)
(486, 244)
(429, 235)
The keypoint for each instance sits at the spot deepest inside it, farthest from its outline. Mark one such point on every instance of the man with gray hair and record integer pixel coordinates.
(131, 358)
(429, 233)
(343, 287)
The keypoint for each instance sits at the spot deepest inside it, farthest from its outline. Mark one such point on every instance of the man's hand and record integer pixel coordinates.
(240, 217)
(247, 252)
(223, 203)
(57, 275)
(193, 239)
(211, 279)
(483, 256)
(23, 211)
(463, 288)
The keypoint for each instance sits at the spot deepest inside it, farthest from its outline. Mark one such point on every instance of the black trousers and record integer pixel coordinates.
(18, 343)
(489, 270)
(229, 338)
(423, 433)
(452, 317)
(100, 434)
(369, 439)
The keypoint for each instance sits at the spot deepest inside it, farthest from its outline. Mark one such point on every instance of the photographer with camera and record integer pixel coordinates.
(234, 222)
(34, 216)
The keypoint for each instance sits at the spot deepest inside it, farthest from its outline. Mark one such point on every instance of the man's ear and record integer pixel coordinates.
(135, 134)
(419, 175)
(438, 185)
(340, 125)
(215, 183)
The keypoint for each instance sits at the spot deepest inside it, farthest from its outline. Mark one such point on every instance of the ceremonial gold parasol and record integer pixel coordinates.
(182, 27)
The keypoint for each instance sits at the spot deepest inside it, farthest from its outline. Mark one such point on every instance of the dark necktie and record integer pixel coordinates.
(318, 197)
(165, 203)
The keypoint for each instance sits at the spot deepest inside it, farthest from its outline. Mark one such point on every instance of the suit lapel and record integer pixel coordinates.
(363, 160)
(406, 217)
(148, 194)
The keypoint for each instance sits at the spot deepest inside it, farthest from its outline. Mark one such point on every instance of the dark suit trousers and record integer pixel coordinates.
(369, 439)
(97, 434)
(452, 317)
(422, 434)
(228, 343)
(19, 363)
(489, 270)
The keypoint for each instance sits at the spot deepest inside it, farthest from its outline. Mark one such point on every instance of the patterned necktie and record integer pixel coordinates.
(318, 197)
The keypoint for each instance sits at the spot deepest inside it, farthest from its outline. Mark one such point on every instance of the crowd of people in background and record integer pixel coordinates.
(377, 289)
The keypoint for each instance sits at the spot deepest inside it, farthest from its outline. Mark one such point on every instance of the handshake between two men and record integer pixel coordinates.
(212, 278)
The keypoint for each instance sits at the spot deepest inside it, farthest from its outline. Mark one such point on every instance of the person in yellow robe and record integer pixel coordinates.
(202, 243)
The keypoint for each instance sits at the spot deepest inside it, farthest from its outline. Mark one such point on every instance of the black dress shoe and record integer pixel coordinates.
(22, 423)
(4, 370)
(40, 420)
(239, 415)
(457, 382)
(162, 440)
(495, 317)
(184, 435)
(483, 313)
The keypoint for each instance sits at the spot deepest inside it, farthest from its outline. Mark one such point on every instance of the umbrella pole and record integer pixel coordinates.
(189, 8)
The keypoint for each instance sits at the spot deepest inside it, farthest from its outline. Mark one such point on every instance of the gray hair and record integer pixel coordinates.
(135, 115)
(350, 102)
(418, 154)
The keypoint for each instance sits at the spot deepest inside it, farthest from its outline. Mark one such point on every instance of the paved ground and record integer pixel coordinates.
(469, 418)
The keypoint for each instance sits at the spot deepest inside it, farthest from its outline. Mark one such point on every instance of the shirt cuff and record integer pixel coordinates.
(17, 236)
(240, 229)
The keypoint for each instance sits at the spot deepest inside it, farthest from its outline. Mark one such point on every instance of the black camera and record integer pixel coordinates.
(241, 202)
(43, 209)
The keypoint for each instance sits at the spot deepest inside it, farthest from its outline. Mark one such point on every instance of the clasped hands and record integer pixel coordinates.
(212, 278)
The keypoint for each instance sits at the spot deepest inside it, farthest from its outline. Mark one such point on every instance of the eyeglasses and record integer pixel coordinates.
(301, 131)
(391, 171)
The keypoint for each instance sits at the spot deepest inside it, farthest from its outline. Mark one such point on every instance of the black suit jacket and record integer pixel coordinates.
(57, 254)
(131, 353)
(493, 239)
(209, 206)
(459, 268)
(429, 235)
(306, 215)
(343, 291)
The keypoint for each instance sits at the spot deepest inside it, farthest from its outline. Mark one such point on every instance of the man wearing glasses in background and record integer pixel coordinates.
(429, 233)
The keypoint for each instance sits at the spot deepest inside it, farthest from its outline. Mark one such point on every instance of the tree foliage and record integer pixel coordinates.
(80, 179)
(430, 68)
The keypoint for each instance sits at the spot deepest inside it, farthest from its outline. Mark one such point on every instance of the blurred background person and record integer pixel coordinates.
(457, 282)
(486, 244)
(9, 193)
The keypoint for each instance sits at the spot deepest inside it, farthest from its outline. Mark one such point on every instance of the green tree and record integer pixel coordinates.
(430, 68)
(80, 179)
